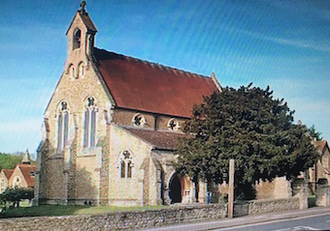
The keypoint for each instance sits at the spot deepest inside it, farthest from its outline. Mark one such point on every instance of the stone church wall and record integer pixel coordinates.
(153, 121)
(136, 189)
(125, 117)
(54, 188)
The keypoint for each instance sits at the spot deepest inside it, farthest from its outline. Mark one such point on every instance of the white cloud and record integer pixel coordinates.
(307, 44)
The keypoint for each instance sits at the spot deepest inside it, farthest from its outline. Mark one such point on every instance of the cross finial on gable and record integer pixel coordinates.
(83, 5)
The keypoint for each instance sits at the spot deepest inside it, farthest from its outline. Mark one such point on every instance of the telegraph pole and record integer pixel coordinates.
(231, 189)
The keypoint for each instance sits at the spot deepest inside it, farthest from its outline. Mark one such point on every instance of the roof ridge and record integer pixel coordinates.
(153, 64)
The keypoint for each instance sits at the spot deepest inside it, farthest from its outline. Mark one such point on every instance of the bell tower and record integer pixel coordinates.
(80, 37)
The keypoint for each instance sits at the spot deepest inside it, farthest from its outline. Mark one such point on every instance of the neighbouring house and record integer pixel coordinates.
(320, 172)
(318, 177)
(112, 125)
(5, 175)
(23, 175)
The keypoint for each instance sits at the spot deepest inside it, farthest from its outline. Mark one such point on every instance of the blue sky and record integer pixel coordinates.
(283, 44)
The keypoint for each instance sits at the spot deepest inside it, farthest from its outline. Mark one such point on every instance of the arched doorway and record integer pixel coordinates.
(175, 192)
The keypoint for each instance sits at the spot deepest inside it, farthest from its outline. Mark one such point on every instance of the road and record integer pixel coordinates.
(316, 222)
(310, 219)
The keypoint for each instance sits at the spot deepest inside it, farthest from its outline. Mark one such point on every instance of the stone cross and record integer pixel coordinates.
(83, 5)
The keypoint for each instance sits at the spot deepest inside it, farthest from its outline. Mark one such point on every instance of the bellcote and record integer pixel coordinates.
(80, 37)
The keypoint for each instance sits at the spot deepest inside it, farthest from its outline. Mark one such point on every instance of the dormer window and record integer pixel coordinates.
(138, 120)
(77, 39)
(173, 124)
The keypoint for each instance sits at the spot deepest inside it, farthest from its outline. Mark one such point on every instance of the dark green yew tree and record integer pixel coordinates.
(16, 195)
(314, 134)
(247, 125)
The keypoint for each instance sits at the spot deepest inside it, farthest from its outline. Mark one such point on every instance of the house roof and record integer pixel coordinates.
(26, 170)
(164, 140)
(321, 145)
(8, 172)
(144, 86)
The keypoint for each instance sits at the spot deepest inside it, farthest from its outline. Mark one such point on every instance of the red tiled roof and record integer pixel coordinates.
(8, 172)
(26, 170)
(321, 144)
(145, 86)
(159, 139)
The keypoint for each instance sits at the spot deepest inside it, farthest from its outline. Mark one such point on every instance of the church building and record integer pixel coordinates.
(112, 126)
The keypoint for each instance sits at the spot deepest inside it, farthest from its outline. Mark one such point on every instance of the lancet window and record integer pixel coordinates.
(90, 122)
(81, 70)
(63, 126)
(126, 164)
(77, 39)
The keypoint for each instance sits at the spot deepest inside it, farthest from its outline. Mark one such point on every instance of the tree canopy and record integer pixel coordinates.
(16, 195)
(8, 161)
(247, 125)
(315, 134)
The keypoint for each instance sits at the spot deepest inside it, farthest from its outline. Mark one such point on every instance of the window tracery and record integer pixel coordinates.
(126, 164)
(138, 120)
(90, 122)
(173, 124)
(62, 126)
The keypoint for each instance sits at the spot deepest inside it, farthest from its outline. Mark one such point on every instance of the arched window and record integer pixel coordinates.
(90, 123)
(173, 124)
(17, 182)
(126, 164)
(81, 70)
(138, 120)
(71, 71)
(62, 126)
(77, 39)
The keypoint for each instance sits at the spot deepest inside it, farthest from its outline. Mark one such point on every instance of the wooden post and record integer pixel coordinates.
(231, 189)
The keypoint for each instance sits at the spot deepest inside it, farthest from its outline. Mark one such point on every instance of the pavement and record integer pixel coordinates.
(248, 220)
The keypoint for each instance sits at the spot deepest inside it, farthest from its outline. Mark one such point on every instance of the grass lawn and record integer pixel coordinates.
(62, 210)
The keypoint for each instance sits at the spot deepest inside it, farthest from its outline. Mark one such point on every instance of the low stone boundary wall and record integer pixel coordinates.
(265, 206)
(119, 220)
(144, 219)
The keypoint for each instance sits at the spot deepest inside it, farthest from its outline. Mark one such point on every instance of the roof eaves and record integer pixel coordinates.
(136, 136)
(152, 112)
(51, 98)
(216, 81)
(71, 23)
(104, 85)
